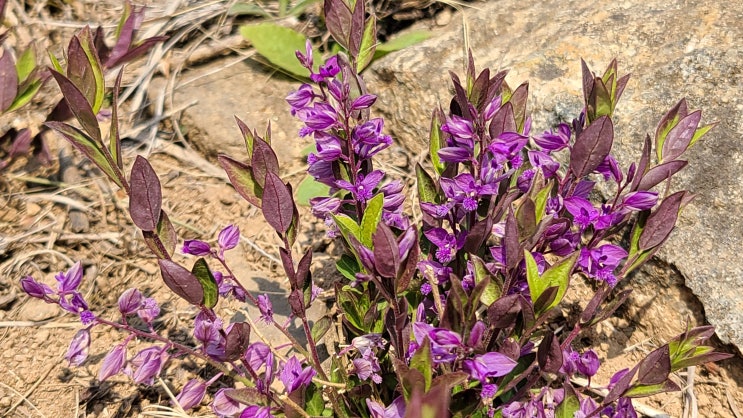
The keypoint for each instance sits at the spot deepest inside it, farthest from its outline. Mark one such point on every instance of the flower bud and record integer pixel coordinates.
(113, 362)
(130, 301)
(35, 289)
(78, 350)
(196, 247)
(191, 394)
(70, 280)
(229, 237)
(224, 406)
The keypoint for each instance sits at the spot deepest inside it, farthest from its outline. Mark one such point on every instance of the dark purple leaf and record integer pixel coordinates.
(679, 137)
(303, 270)
(278, 204)
(8, 81)
(549, 354)
(669, 119)
(21, 143)
(126, 31)
(99, 43)
(247, 136)
(286, 261)
(701, 359)
(409, 266)
(511, 242)
(181, 281)
(660, 173)
(386, 251)
(656, 367)
(338, 21)
(588, 80)
(296, 303)
(114, 139)
(503, 312)
(503, 121)
(661, 222)
(546, 298)
(145, 197)
(245, 396)
(526, 219)
(518, 99)
(237, 341)
(137, 51)
(80, 70)
(643, 164)
(591, 147)
(242, 179)
(79, 105)
(263, 161)
(621, 84)
(357, 29)
(460, 98)
(478, 234)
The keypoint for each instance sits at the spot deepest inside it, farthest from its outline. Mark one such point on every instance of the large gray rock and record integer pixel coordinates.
(673, 49)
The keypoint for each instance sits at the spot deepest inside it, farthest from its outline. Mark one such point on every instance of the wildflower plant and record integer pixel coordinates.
(450, 316)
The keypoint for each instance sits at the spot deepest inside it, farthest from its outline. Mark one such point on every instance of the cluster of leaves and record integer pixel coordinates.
(88, 60)
(455, 316)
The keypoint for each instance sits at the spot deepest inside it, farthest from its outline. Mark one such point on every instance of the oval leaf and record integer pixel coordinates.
(237, 341)
(209, 285)
(79, 105)
(8, 81)
(661, 222)
(592, 146)
(145, 198)
(320, 327)
(278, 205)
(242, 179)
(277, 44)
(181, 281)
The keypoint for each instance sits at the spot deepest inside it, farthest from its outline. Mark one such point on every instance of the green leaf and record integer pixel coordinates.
(426, 185)
(277, 44)
(242, 179)
(568, 407)
(313, 401)
(556, 276)
(700, 132)
(250, 9)
(368, 44)
(320, 327)
(494, 289)
(211, 291)
(100, 84)
(55, 63)
(25, 96)
(310, 188)
(166, 232)
(435, 144)
(348, 228)
(423, 362)
(536, 286)
(348, 267)
(540, 201)
(370, 221)
(90, 148)
(25, 64)
(401, 42)
(641, 391)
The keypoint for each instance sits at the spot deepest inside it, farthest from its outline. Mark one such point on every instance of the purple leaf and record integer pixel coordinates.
(654, 368)
(386, 252)
(511, 242)
(8, 81)
(114, 139)
(357, 29)
(278, 204)
(660, 173)
(242, 179)
(137, 51)
(549, 354)
(503, 121)
(80, 70)
(237, 341)
(503, 312)
(643, 164)
(668, 121)
(181, 281)
(21, 143)
(679, 137)
(588, 81)
(145, 198)
(338, 21)
(591, 147)
(661, 222)
(518, 99)
(247, 136)
(303, 270)
(125, 32)
(479, 232)
(286, 261)
(79, 105)
(263, 161)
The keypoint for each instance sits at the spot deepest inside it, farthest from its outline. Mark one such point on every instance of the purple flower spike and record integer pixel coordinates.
(228, 237)
(191, 394)
(196, 247)
(113, 362)
(35, 289)
(130, 301)
(78, 350)
(489, 365)
(224, 406)
(447, 244)
(255, 411)
(293, 376)
(266, 308)
(363, 190)
(70, 280)
(395, 410)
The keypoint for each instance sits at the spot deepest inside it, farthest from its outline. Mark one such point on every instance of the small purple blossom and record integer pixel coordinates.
(396, 409)
(113, 362)
(149, 310)
(300, 98)
(78, 350)
(192, 394)
(196, 247)
(554, 141)
(266, 308)
(69, 281)
(447, 244)
(146, 365)
(36, 289)
(444, 342)
(641, 200)
(228, 237)
(588, 363)
(487, 365)
(130, 301)
(293, 376)
(584, 214)
(363, 189)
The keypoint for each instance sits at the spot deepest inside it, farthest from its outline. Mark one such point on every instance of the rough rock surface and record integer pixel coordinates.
(673, 49)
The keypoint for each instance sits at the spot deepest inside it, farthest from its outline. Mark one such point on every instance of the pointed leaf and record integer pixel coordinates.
(570, 403)
(24, 96)
(661, 222)
(99, 84)
(679, 137)
(338, 21)
(237, 341)
(278, 204)
(321, 327)
(263, 161)
(559, 275)
(423, 362)
(667, 122)
(357, 28)
(348, 267)
(641, 391)
(145, 198)
(79, 105)
(137, 51)
(80, 70)
(211, 291)
(549, 353)
(242, 179)
(426, 185)
(8, 81)
(163, 240)
(503, 121)
(277, 44)
(386, 252)
(494, 288)
(114, 140)
(511, 242)
(181, 281)
(660, 173)
(247, 136)
(700, 132)
(90, 148)
(26, 64)
(368, 44)
(591, 147)
(435, 143)
(370, 220)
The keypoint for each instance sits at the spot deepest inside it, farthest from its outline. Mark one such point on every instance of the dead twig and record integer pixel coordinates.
(690, 400)
(732, 403)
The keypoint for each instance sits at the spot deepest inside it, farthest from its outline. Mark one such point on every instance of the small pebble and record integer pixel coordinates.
(5, 402)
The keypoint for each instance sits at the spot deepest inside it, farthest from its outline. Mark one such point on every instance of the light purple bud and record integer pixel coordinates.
(70, 280)
(229, 237)
(266, 308)
(224, 406)
(148, 363)
(476, 334)
(35, 289)
(364, 101)
(395, 410)
(113, 362)
(196, 247)
(491, 364)
(78, 350)
(257, 355)
(640, 200)
(149, 310)
(191, 394)
(130, 301)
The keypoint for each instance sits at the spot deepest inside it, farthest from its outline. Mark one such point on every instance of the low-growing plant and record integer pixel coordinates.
(452, 316)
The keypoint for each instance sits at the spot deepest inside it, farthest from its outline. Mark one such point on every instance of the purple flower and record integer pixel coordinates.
(584, 214)
(293, 376)
(364, 188)
(447, 244)
(569, 362)
(73, 302)
(363, 102)
(601, 262)
(319, 117)
(146, 365)
(395, 410)
(130, 301)
(455, 154)
(191, 394)
(475, 337)
(322, 207)
(36, 289)
(507, 147)
(196, 247)
(223, 406)
(328, 146)
(640, 200)
(113, 362)
(255, 411)
(554, 141)
(464, 190)
(306, 58)
(624, 409)
(78, 350)
(69, 281)
(487, 365)
(614, 379)
(301, 98)
(367, 367)
(588, 363)
(205, 330)
(149, 310)
(444, 343)
(327, 70)
(587, 406)
(228, 237)
(264, 305)
(609, 168)
(545, 162)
